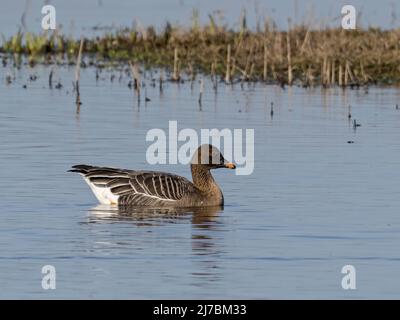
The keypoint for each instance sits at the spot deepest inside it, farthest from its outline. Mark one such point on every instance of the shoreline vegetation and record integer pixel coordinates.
(299, 56)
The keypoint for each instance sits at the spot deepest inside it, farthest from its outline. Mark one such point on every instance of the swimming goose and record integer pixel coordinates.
(159, 189)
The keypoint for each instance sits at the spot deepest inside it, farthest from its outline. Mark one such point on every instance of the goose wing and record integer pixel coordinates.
(141, 188)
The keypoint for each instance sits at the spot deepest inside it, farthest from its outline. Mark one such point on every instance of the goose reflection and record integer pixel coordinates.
(206, 228)
(204, 225)
(201, 217)
(206, 246)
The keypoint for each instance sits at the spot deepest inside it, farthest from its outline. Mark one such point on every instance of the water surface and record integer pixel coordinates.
(313, 204)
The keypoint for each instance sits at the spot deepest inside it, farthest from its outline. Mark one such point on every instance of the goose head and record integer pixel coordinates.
(209, 157)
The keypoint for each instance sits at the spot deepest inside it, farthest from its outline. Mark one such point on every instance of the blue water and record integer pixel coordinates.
(313, 204)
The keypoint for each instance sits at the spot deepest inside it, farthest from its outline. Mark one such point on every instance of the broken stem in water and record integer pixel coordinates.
(51, 78)
(77, 74)
(136, 78)
(201, 90)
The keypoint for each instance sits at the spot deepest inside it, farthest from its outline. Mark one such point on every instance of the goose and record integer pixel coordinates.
(125, 187)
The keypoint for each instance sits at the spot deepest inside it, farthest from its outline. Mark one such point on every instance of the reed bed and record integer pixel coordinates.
(300, 55)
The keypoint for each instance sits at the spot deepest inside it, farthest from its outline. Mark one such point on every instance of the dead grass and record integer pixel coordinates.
(299, 56)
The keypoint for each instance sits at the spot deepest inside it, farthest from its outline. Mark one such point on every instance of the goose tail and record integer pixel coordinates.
(81, 168)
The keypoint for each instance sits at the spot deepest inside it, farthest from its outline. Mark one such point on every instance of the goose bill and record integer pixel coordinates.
(230, 165)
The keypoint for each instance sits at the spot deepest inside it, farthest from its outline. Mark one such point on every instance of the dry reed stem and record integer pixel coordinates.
(175, 75)
(265, 65)
(228, 65)
(289, 57)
